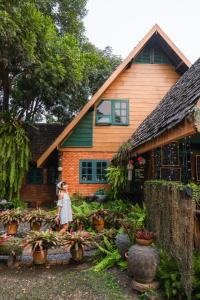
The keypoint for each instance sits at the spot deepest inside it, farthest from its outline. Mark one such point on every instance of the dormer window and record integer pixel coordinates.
(112, 112)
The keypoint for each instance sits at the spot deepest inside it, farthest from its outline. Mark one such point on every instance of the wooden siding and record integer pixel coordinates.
(81, 136)
(144, 85)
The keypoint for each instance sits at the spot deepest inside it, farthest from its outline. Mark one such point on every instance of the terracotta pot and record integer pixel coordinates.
(143, 262)
(144, 242)
(36, 226)
(77, 255)
(12, 228)
(123, 243)
(40, 257)
(99, 224)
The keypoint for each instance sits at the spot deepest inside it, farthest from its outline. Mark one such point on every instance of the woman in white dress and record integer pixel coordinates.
(64, 215)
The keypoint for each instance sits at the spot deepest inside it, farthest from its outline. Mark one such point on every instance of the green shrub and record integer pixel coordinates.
(196, 277)
(170, 277)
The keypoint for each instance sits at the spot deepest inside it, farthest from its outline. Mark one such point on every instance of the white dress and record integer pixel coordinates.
(66, 210)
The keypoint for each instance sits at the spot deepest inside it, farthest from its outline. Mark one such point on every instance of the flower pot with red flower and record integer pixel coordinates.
(144, 237)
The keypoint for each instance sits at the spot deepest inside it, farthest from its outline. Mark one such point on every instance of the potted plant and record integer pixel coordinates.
(76, 242)
(100, 195)
(41, 241)
(11, 219)
(144, 237)
(98, 220)
(52, 221)
(35, 218)
(11, 246)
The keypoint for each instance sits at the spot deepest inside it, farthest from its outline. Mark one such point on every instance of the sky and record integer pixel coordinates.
(121, 24)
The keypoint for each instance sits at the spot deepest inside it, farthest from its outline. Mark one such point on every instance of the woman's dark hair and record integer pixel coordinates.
(62, 184)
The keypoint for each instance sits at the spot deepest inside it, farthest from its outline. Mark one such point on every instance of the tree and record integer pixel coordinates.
(32, 52)
(98, 66)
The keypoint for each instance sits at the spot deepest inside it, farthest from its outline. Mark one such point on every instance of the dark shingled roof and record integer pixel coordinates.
(177, 104)
(42, 136)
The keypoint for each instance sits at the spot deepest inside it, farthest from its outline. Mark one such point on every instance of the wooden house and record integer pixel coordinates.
(168, 140)
(39, 184)
(87, 145)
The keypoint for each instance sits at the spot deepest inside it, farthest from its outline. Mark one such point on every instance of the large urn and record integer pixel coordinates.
(143, 262)
(123, 243)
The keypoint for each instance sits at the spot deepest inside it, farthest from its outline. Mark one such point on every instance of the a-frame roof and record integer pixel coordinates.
(179, 60)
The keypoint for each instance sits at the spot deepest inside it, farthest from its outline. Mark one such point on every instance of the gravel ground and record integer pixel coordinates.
(69, 282)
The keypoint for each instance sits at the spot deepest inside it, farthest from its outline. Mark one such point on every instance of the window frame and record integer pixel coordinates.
(112, 116)
(32, 178)
(94, 171)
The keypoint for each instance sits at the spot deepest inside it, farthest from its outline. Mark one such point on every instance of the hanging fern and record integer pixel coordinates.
(117, 178)
(14, 157)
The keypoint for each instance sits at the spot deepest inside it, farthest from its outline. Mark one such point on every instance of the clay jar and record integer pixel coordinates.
(123, 243)
(143, 262)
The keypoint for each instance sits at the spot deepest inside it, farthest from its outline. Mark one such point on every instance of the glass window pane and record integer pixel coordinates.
(117, 112)
(104, 108)
(123, 112)
(83, 164)
(89, 165)
(123, 105)
(123, 120)
(103, 120)
(117, 105)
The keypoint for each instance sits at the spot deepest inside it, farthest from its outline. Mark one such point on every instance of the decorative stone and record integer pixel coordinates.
(123, 243)
(143, 262)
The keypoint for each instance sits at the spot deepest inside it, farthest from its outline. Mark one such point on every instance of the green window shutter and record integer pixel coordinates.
(35, 175)
(82, 134)
(92, 171)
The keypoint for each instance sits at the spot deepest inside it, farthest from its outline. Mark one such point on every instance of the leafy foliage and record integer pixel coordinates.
(45, 56)
(14, 157)
(42, 240)
(9, 216)
(170, 277)
(117, 178)
(196, 277)
(111, 256)
(10, 245)
(35, 216)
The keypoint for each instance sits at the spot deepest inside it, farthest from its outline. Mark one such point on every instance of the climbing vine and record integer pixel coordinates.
(14, 157)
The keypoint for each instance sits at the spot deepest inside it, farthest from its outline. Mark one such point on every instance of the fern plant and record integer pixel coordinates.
(14, 157)
(111, 257)
(117, 178)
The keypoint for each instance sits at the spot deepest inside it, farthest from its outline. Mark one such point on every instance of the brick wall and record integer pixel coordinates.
(70, 171)
(39, 194)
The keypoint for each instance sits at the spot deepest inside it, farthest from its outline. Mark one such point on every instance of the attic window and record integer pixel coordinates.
(112, 112)
(151, 55)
